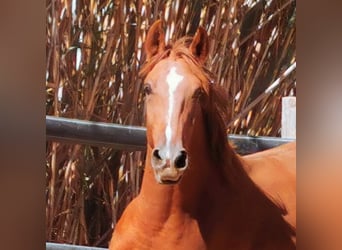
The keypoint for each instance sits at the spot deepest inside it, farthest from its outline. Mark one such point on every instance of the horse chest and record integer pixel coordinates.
(145, 234)
(185, 238)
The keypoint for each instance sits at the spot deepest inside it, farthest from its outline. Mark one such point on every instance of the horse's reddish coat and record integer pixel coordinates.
(223, 201)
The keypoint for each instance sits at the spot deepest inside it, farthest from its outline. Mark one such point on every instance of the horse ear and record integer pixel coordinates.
(199, 46)
(155, 40)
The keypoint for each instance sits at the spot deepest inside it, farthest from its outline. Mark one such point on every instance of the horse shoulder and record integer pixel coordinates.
(274, 171)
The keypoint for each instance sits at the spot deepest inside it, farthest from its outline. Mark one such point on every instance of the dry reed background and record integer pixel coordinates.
(94, 52)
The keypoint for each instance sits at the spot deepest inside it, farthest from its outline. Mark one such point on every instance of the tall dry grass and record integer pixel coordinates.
(94, 52)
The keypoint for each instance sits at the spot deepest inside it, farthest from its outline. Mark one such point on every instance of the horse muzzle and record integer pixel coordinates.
(169, 170)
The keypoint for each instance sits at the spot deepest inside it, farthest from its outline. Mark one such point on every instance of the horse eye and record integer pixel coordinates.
(147, 89)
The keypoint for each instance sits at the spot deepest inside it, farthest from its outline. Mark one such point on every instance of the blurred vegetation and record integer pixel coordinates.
(94, 52)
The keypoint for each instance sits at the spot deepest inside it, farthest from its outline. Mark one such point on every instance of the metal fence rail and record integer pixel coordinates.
(57, 246)
(133, 138)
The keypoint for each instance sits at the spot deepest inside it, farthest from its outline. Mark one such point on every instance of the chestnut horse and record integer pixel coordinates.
(197, 193)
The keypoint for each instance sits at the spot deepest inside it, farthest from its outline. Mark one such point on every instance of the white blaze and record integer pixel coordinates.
(172, 79)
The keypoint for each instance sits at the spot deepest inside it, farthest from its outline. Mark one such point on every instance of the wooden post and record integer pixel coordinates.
(288, 117)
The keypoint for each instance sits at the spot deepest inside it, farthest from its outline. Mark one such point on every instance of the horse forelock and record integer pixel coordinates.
(180, 50)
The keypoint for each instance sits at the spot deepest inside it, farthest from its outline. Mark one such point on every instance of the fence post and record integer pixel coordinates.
(288, 117)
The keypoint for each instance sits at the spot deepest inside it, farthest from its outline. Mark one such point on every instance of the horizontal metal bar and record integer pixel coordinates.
(57, 246)
(252, 144)
(133, 138)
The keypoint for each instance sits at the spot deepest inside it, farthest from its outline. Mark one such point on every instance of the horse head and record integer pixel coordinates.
(175, 88)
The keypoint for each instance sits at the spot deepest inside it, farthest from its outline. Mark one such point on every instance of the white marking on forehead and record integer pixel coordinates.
(173, 79)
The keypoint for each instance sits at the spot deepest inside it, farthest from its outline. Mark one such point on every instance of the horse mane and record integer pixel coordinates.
(228, 161)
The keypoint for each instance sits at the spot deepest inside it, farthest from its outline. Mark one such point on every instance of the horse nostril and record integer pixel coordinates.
(180, 161)
(156, 154)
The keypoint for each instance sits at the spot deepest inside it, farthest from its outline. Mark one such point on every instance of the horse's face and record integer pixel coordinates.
(172, 104)
(173, 93)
